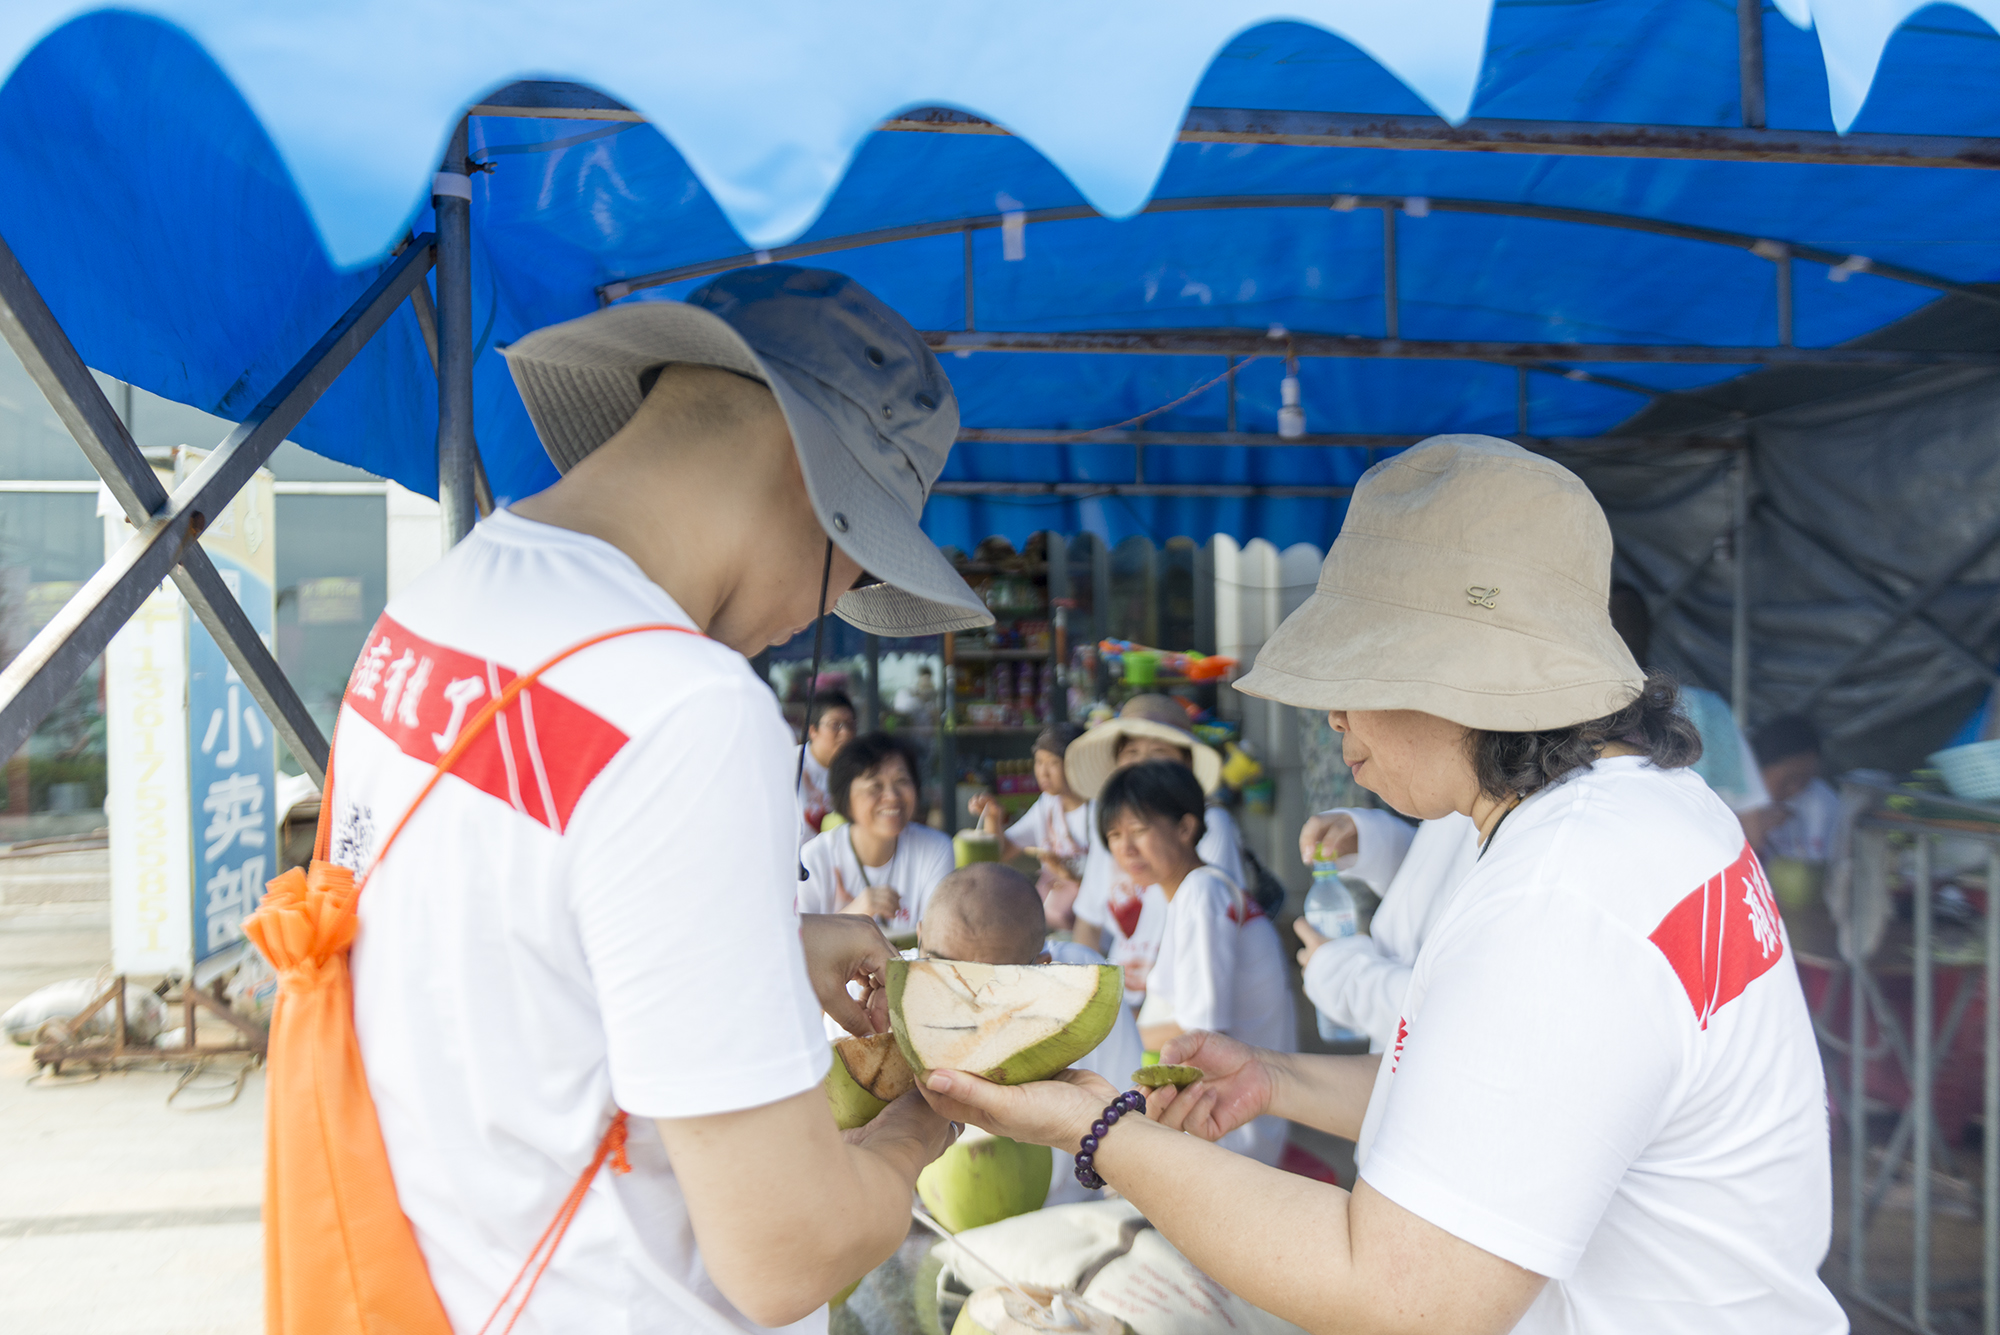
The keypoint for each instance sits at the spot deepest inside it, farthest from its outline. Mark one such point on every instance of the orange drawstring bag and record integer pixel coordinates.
(340, 1257)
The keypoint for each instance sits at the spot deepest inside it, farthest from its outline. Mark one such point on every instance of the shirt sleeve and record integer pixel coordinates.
(1222, 847)
(682, 884)
(1541, 1059)
(1093, 896)
(1202, 953)
(1382, 842)
(934, 865)
(1360, 986)
(1029, 831)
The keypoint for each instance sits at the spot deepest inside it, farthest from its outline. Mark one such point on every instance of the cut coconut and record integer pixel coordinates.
(867, 1075)
(1029, 1310)
(1010, 1023)
(1152, 1077)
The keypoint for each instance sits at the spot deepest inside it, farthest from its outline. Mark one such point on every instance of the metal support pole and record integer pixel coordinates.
(1783, 264)
(1739, 615)
(1231, 427)
(970, 295)
(1989, 1214)
(168, 526)
(1922, 1002)
(871, 678)
(1750, 60)
(947, 734)
(452, 199)
(1392, 323)
(1857, 1093)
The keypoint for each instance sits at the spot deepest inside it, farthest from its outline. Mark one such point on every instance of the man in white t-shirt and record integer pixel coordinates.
(594, 910)
(829, 727)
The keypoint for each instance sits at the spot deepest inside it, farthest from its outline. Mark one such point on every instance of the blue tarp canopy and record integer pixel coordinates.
(199, 189)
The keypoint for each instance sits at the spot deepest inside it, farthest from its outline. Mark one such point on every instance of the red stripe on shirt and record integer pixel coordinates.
(1722, 936)
(538, 756)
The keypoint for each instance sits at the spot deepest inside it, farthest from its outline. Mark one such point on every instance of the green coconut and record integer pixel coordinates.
(1153, 1077)
(1009, 1023)
(868, 1074)
(984, 1179)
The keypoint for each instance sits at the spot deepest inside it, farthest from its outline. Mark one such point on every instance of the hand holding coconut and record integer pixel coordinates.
(1238, 1085)
(842, 949)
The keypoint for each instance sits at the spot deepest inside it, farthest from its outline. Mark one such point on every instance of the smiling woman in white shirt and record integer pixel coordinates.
(880, 863)
(1603, 1109)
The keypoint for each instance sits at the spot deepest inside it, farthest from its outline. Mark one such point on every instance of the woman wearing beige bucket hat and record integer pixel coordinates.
(1113, 916)
(1603, 1110)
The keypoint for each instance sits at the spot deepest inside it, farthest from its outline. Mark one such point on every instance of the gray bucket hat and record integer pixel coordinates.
(871, 413)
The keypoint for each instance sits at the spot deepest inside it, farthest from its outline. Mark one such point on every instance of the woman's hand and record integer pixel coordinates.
(841, 949)
(1237, 1085)
(1312, 938)
(1055, 1112)
(1335, 830)
(877, 901)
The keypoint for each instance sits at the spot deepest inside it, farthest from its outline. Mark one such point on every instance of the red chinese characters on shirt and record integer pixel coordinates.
(538, 756)
(1722, 936)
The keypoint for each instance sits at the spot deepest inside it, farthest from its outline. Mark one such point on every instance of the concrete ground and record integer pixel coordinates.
(118, 1213)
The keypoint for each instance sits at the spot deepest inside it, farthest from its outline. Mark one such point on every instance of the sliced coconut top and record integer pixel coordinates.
(1008, 1022)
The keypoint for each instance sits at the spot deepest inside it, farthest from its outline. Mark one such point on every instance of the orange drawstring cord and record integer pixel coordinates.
(612, 1146)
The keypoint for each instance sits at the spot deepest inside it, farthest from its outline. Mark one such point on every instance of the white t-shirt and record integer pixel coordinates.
(1360, 980)
(1115, 1059)
(814, 801)
(1132, 917)
(1221, 967)
(1047, 826)
(1605, 1072)
(1807, 833)
(617, 842)
(834, 875)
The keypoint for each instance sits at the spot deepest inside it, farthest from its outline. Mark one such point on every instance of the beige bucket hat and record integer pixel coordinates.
(1092, 757)
(872, 415)
(1471, 580)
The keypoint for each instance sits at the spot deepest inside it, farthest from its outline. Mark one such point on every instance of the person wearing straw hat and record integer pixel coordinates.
(1113, 915)
(594, 911)
(1603, 1110)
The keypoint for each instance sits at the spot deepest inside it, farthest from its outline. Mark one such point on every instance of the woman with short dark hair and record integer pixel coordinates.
(882, 861)
(1603, 1110)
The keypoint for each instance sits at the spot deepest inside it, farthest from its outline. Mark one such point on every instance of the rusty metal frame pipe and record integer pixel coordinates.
(1198, 342)
(57, 657)
(1834, 259)
(1324, 440)
(548, 100)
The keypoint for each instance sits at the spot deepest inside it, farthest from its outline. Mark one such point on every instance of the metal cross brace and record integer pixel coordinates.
(1888, 599)
(168, 526)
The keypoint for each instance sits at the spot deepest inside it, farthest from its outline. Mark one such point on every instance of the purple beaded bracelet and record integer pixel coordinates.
(1086, 1172)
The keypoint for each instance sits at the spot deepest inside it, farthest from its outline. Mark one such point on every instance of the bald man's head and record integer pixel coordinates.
(986, 913)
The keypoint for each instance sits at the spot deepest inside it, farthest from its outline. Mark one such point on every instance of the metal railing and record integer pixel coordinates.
(1917, 1140)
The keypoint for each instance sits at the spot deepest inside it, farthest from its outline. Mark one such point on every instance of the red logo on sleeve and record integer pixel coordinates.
(538, 756)
(1722, 935)
(1402, 1032)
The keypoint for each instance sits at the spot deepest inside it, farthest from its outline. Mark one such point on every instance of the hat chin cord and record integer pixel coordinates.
(812, 682)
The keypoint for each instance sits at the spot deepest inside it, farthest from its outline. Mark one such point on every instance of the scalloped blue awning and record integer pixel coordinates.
(192, 187)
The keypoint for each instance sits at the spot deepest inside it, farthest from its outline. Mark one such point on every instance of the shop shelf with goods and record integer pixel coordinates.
(1002, 685)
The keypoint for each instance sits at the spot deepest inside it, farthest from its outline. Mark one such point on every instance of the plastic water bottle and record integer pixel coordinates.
(1330, 911)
